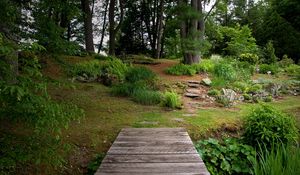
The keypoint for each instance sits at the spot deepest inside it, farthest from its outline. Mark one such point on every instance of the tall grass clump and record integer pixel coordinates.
(225, 71)
(181, 69)
(89, 68)
(206, 65)
(171, 99)
(143, 74)
(115, 67)
(267, 126)
(280, 160)
(147, 97)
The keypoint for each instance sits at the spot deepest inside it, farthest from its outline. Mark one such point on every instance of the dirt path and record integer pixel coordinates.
(191, 105)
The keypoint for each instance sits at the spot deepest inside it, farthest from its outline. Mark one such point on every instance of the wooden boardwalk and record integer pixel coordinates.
(152, 151)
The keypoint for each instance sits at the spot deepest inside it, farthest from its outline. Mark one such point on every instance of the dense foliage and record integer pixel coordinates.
(226, 157)
(268, 126)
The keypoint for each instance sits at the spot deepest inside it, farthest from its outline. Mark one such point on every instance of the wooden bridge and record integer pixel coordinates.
(152, 151)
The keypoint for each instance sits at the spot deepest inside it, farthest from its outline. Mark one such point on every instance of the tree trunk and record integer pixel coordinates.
(190, 30)
(112, 29)
(160, 29)
(88, 26)
(103, 27)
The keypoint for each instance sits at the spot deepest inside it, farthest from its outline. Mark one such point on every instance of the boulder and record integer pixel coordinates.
(206, 81)
(229, 94)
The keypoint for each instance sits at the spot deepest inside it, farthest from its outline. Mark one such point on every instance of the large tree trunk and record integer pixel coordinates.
(88, 26)
(191, 30)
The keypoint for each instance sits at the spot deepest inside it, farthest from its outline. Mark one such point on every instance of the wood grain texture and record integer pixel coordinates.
(151, 151)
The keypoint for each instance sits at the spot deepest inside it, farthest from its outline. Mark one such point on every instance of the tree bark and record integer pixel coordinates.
(160, 29)
(88, 26)
(112, 29)
(103, 27)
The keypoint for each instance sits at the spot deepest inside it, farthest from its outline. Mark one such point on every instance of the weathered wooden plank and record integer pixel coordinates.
(152, 167)
(153, 133)
(201, 173)
(158, 158)
(153, 143)
(153, 138)
(153, 150)
(154, 129)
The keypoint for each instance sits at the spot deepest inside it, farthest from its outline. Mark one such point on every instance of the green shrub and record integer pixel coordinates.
(214, 92)
(224, 101)
(286, 61)
(264, 68)
(116, 68)
(206, 65)
(181, 69)
(147, 97)
(127, 89)
(88, 68)
(227, 157)
(269, 53)
(293, 70)
(267, 126)
(254, 88)
(240, 86)
(219, 82)
(280, 160)
(171, 100)
(268, 98)
(136, 74)
(250, 58)
(247, 97)
(225, 70)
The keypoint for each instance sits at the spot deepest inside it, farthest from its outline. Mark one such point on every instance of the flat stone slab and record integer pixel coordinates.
(191, 95)
(152, 151)
(192, 85)
(194, 91)
(193, 82)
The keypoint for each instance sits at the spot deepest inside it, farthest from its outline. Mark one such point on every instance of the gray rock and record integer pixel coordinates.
(206, 81)
(81, 79)
(178, 119)
(229, 94)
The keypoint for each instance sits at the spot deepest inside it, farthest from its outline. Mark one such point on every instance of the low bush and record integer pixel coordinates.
(293, 70)
(254, 88)
(88, 68)
(136, 74)
(115, 67)
(227, 157)
(239, 86)
(265, 68)
(127, 89)
(225, 70)
(206, 65)
(225, 101)
(171, 99)
(147, 97)
(249, 57)
(280, 160)
(219, 82)
(267, 126)
(214, 92)
(181, 69)
(247, 97)
(286, 61)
